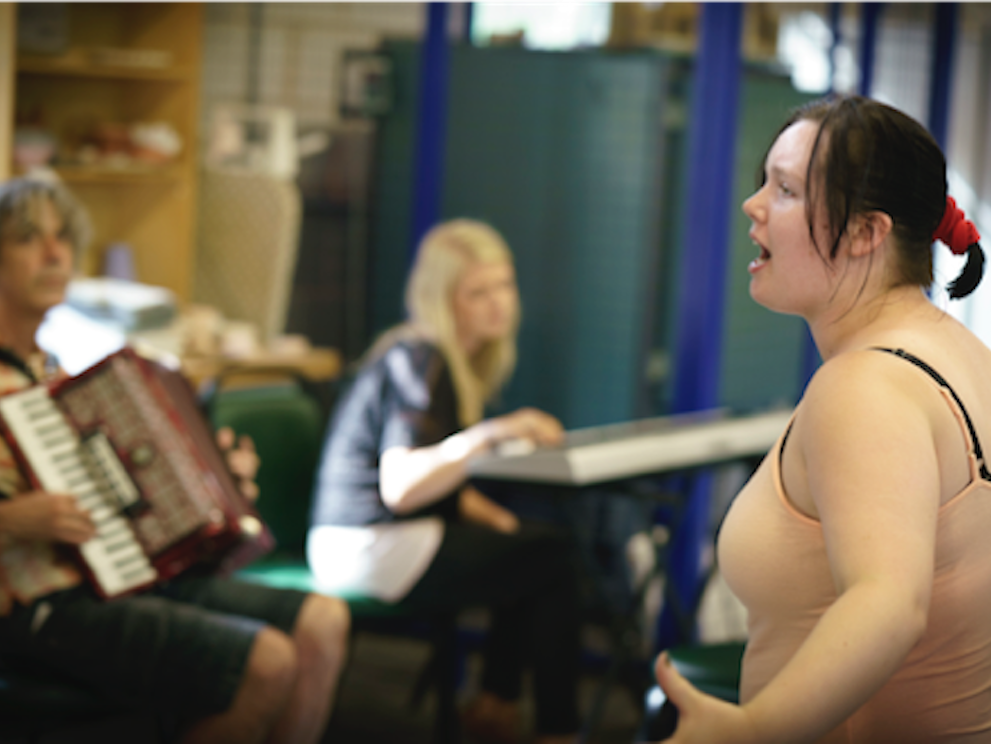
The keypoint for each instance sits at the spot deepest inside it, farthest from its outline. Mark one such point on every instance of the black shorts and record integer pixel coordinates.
(179, 649)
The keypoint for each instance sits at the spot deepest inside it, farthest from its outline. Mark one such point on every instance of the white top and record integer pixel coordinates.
(383, 561)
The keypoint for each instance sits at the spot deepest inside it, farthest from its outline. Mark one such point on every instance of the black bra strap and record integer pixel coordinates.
(978, 453)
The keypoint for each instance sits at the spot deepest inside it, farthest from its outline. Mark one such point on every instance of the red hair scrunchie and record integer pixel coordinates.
(955, 230)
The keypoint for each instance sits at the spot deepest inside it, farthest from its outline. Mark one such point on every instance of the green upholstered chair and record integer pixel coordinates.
(714, 669)
(287, 426)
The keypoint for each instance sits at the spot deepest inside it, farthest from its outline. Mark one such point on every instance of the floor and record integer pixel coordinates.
(374, 705)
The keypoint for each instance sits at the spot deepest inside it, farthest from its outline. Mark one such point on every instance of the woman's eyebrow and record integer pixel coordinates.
(786, 174)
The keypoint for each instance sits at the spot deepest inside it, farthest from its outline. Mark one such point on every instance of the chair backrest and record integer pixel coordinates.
(247, 246)
(287, 426)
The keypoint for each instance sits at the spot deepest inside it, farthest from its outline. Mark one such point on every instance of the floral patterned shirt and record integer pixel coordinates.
(29, 569)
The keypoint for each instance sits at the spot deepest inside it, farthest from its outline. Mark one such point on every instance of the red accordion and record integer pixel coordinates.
(127, 438)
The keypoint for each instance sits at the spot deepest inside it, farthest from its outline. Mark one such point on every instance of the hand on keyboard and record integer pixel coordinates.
(46, 516)
(529, 424)
(515, 447)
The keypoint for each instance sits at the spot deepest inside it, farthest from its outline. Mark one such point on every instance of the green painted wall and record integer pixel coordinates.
(579, 160)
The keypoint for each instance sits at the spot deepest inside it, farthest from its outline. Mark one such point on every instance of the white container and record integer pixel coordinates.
(261, 139)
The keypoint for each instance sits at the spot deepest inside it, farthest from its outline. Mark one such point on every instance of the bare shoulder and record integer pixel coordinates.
(865, 425)
(866, 391)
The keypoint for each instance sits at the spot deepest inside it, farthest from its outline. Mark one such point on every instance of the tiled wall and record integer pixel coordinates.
(297, 49)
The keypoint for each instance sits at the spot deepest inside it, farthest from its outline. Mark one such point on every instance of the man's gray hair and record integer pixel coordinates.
(19, 204)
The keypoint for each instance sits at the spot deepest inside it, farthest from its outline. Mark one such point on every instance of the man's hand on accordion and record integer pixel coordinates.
(241, 459)
(38, 515)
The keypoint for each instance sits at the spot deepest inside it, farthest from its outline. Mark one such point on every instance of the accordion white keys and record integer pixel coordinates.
(127, 438)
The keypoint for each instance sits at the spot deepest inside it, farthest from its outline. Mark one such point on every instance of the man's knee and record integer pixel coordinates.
(272, 665)
(324, 625)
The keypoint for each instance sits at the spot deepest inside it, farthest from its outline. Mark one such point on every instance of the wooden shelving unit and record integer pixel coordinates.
(7, 43)
(31, 65)
(124, 63)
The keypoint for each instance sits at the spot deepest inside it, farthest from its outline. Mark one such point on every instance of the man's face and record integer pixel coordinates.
(36, 266)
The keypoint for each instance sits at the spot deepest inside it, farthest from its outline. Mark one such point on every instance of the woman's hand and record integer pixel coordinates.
(413, 477)
(702, 718)
(53, 517)
(474, 506)
(241, 459)
(526, 423)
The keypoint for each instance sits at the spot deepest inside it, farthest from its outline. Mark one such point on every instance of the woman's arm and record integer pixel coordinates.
(411, 478)
(475, 506)
(865, 437)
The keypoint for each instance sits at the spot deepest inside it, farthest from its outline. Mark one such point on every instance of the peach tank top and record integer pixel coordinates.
(773, 557)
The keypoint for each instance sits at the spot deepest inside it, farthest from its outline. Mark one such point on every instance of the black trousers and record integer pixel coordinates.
(530, 583)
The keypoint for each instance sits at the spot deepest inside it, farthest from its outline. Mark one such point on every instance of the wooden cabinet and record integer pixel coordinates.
(117, 65)
(7, 43)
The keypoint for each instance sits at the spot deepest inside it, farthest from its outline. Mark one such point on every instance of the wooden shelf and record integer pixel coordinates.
(121, 63)
(56, 66)
(96, 175)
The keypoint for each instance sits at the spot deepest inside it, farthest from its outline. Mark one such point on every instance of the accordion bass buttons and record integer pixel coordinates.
(142, 455)
(250, 526)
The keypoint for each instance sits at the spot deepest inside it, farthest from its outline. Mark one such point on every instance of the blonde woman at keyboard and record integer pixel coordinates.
(860, 546)
(394, 517)
(225, 661)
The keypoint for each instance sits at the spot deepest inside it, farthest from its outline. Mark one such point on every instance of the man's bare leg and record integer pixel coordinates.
(261, 698)
(321, 638)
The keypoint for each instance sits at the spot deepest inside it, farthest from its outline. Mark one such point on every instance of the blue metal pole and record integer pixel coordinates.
(835, 12)
(711, 153)
(703, 283)
(469, 20)
(810, 354)
(870, 16)
(428, 173)
(941, 82)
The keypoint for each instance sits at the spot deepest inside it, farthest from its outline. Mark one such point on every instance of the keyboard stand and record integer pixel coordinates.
(659, 457)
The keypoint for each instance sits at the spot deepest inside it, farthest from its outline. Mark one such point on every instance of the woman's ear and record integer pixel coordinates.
(868, 232)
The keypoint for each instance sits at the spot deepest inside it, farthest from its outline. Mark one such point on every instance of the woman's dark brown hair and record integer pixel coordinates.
(869, 157)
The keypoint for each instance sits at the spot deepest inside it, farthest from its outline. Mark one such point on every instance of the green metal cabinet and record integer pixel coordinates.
(579, 160)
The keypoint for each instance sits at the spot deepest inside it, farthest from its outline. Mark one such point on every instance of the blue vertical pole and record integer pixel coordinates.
(703, 285)
(941, 81)
(428, 172)
(870, 16)
(469, 21)
(809, 362)
(835, 13)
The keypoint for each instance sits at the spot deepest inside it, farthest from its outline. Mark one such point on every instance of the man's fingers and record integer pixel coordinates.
(225, 438)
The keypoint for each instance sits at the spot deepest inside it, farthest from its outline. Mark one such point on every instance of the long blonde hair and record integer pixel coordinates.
(444, 254)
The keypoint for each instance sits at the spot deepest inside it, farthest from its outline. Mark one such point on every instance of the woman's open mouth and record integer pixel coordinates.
(762, 259)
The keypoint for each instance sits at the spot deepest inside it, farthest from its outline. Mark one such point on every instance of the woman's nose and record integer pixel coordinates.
(752, 205)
